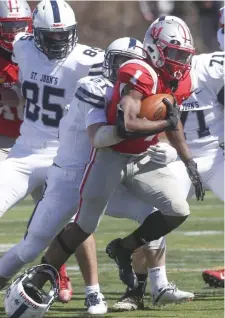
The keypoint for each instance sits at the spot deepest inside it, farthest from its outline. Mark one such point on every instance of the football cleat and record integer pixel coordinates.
(122, 257)
(65, 289)
(96, 304)
(171, 294)
(215, 278)
(129, 301)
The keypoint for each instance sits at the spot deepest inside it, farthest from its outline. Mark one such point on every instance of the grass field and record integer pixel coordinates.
(196, 245)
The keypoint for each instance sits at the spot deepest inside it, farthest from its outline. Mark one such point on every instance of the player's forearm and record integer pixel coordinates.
(131, 109)
(177, 140)
(144, 125)
(102, 135)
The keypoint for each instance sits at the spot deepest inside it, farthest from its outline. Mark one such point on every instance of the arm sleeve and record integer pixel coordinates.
(92, 102)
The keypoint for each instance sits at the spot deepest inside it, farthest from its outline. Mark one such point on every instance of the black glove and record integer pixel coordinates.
(195, 179)
(172, 116)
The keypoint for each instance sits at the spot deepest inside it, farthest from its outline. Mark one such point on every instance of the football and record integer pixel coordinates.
(152, 107)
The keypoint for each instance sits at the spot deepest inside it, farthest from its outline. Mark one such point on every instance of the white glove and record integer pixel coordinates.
(162, 153)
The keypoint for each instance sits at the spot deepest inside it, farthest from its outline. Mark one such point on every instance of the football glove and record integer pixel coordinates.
(195, 179)
(162, 153)
(172, 116)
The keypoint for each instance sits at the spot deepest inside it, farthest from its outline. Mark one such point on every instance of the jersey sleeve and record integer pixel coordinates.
(210, 70)
(140, 76)
(90, 93)
(216, 71)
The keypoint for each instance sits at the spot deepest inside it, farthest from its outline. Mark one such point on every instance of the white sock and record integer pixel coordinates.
(158, 277)
(92, 289)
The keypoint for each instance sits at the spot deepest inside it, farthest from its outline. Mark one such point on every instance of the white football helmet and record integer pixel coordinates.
(220, 32)
(118, 52)
(25, 300)
(170, 47)
(15, 17)
(55, 28)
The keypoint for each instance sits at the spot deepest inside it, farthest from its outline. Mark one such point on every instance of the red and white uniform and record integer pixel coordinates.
(141, 77)
(10, 117)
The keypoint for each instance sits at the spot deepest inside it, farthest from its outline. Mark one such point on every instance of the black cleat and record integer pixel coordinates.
(122, 257)
(129, 301)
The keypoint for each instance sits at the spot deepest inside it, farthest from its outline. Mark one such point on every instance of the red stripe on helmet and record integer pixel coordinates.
(17, 8)
(10, 5)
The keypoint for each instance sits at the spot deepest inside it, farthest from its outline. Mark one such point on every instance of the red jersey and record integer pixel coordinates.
(142, 78)
(10, 117)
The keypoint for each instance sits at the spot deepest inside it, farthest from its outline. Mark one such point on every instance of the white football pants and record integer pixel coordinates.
(24, 170)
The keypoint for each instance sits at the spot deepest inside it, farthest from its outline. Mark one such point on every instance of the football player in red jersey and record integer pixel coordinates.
(15, 17)
(169, 48)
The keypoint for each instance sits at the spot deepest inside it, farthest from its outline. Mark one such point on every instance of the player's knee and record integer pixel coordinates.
(180, 207)
(89, 216)
(88, 227)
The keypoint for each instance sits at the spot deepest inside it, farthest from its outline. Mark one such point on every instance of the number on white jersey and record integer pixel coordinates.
(32, 111)
(217, 58)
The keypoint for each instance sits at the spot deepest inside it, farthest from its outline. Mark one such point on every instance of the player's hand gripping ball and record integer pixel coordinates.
(153, 108)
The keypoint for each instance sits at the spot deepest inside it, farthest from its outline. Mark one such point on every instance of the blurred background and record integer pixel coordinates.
(101, 22)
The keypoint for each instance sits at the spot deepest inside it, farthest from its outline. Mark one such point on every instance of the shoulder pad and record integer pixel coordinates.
(211, 64)
(23, 36)
(87, 55)
(92, 90)
(140, 75)
(210, 70)
(20, 41)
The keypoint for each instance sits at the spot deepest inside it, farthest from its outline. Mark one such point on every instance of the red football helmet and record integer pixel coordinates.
(169, 45)
(15, 17)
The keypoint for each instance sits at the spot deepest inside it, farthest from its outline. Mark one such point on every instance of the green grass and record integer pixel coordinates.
(188, 253)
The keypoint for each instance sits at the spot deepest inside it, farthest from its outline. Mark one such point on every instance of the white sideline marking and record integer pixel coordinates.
(200, 233)
(206, 207)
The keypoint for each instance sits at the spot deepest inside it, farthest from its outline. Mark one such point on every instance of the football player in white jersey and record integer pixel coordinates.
(213, 277)
(50, 63)
(203, 119)
(65, 176)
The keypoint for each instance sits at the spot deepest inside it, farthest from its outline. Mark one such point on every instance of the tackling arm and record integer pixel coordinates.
(102, 135)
